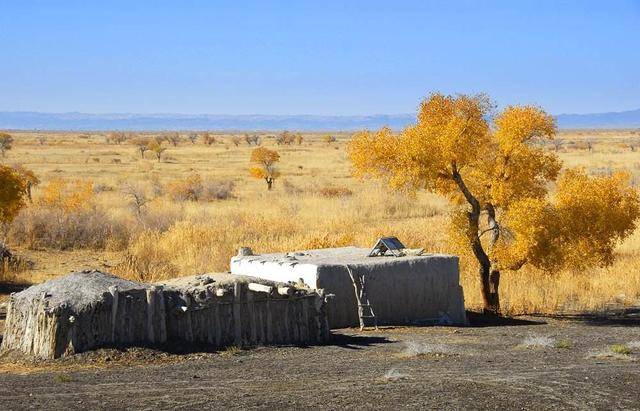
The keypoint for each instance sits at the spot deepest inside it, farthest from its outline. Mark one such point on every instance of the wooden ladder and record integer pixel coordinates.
(365, 310)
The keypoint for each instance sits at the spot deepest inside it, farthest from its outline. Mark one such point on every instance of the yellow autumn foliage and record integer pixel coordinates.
(12, 192)
(66, 195)
(263, 164)
(499, 175)
(580, 228)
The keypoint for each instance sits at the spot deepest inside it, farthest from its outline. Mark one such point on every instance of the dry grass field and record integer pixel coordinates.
(315, 203)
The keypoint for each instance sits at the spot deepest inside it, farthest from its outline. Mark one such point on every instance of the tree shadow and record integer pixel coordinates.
(480, 320)
(356, 341)
(628, 317)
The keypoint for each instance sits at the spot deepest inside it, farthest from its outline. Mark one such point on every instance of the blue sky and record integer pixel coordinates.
(315, 57)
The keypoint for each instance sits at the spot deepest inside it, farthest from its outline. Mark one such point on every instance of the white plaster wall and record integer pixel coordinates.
(401, 290)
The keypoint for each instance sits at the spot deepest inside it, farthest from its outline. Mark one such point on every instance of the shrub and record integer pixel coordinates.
(145, 261)
(188, 189)
(47, 227)
(534, 341)
(290, 188)
(194, 188)
(620, 349)
(116, 137)
(217, 190)
(13, 188)
(67, 195)
(6, 142)
(335, 192)
(328, 139)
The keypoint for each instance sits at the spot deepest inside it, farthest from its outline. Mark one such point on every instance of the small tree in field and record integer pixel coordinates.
(557, 144)
(6, 143)
(174, 139)
(116, 137)
(193, 137)
(41, 139)
(208, 139)
(156, 148)
(142, 144)
(329, 139)
(28, 177)
(498, 176)
(263, 166)
(235, 140)
(252, 139)
(13, 188)
(299, 139)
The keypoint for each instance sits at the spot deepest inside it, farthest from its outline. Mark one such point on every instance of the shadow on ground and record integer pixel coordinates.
(629, 317)
(477, 319)
(356, 342)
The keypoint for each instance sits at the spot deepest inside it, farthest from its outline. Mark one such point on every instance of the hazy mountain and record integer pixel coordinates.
(80, 121)
(620, 119)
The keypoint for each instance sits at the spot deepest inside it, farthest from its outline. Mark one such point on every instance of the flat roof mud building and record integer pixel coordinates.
(401, 289)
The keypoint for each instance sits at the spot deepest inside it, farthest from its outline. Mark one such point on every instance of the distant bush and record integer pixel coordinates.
(46, 227)
(328, 139)
(102, 187)
(217, 190)
(194, 188)
(116, 137)
(67, 195)
(290, 188)
(188, 189)
(335, 192)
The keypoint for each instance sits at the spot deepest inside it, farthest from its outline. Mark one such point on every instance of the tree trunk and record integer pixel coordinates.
(489, 276)
(489, 283)
(269, 183)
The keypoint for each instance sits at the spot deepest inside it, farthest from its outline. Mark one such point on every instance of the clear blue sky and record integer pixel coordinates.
(315, 57)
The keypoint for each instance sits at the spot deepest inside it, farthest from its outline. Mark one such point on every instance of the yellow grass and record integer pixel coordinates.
(316, 203)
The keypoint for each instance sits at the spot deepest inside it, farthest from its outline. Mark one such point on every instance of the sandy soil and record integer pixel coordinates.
(477, 367)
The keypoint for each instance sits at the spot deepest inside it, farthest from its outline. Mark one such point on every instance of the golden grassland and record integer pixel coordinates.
(315, 203)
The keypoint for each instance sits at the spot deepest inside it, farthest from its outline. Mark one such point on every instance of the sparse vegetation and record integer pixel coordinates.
(563, 344)
(538, 341)
(158, 237)
(416, 349)
(394, 375)
(621, 349)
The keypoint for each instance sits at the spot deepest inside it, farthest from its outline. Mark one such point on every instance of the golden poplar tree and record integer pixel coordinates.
(497, 175)
(263, 165)
(13, 189)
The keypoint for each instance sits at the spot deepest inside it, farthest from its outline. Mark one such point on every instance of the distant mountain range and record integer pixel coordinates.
(23, 120)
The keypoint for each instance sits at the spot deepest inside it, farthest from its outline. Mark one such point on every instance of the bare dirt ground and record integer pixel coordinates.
(485, 366)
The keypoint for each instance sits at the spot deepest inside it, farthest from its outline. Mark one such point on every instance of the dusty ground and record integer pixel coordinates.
(482, 367)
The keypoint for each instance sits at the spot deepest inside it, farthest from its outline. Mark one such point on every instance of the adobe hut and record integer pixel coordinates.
(91, 309)
(401, 288)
